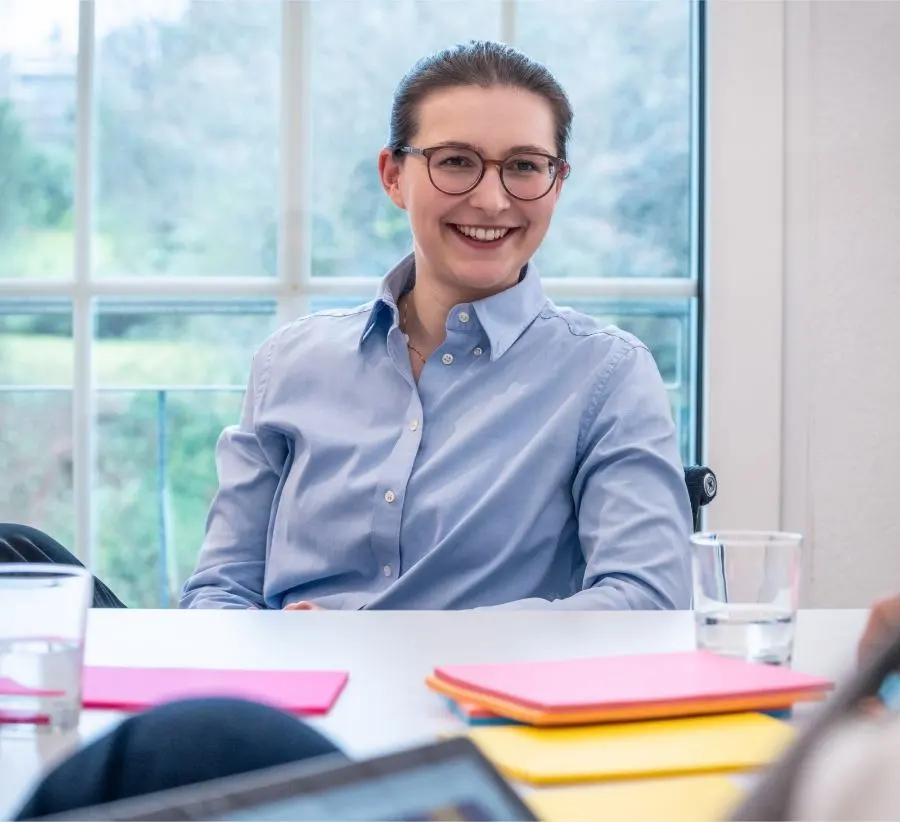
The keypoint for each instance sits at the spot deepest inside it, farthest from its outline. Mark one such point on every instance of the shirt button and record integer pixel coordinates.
(388, 570)
(447, 359)
(389, 496)
(478, 351)
(414, 425)
(463, 316)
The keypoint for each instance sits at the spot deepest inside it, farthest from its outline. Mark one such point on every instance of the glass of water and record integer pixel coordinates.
(746, 589)
(43, 610)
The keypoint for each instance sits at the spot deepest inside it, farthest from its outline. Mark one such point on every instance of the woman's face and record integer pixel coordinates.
(497, 122)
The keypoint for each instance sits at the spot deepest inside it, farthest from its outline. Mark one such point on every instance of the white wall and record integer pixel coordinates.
(841, 433)
(803, 357)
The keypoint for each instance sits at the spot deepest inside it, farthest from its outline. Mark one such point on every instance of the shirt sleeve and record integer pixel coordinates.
(634, 513)
(249, 461)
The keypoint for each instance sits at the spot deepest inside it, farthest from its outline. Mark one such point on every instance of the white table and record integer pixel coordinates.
(385, 705)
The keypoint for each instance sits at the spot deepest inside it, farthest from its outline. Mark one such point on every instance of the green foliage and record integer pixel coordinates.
(35, 185)
(153, 505)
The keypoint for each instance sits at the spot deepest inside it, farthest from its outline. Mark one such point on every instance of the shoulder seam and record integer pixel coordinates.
(268, 348)
(599, 389)
(332, 313)
(269, 351)
(550, 314)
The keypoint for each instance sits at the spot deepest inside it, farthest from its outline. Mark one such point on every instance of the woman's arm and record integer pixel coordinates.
(634, 514)
(231, 567)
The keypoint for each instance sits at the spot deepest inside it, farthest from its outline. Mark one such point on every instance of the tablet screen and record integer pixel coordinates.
(449, 780)
(457, 790)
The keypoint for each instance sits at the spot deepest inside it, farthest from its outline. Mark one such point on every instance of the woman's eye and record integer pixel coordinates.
(459, 162)
(525, 166)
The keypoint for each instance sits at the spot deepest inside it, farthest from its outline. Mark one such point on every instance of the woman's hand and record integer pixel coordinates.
(883, 625)
(303, 606)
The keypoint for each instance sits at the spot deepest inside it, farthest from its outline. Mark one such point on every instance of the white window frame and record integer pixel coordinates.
(293, 286)
(745, 265)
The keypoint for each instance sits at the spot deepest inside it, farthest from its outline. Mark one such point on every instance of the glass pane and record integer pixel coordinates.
(38, 44)
(187, 138)
(356, 230)
(668, 329)
(155, 479)
(35, 395)
(625, 209)
(177, 342)
(170, 376)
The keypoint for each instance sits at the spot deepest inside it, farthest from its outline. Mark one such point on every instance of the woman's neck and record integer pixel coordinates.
(424, 310)
(425, 317)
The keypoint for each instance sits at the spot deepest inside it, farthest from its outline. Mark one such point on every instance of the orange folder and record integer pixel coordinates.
(619, 688)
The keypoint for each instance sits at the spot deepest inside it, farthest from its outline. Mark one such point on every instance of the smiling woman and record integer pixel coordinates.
(460, 441)
(508, 452)
(476, 222)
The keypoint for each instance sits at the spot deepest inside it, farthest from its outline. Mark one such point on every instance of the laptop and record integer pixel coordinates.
(446, 780)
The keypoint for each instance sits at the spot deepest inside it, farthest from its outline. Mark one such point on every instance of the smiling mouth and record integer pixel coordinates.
(484, 235)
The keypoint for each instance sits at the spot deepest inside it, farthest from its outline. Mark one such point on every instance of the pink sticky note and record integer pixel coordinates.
(10, 687)
(629, 680)
(133, 689)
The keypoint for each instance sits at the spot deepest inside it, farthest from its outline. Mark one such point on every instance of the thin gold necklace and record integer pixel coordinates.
(403, 316)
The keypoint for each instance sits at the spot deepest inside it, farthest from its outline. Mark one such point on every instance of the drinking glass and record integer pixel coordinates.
(746, 588)
(43, 610)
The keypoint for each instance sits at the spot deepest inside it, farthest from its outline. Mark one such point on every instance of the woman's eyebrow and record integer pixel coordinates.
(529, 149)
(456, 144)
(523, 149)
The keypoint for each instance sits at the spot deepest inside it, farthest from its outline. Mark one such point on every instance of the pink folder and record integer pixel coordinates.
(133, 689)
(628, 680)
(12, 687)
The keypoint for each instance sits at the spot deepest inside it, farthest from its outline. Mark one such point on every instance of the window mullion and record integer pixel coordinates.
(508, 11)
(294, 246)
(83, 418)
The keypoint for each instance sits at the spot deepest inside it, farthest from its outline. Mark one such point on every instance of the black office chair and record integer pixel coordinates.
(702, 486)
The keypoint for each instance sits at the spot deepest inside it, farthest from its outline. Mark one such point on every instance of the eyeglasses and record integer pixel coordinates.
(457, 170)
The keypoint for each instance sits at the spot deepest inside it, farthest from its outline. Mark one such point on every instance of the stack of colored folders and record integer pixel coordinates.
(625, 688)
(692, 715)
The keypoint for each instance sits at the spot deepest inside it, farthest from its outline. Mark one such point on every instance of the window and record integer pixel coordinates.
(181, 177)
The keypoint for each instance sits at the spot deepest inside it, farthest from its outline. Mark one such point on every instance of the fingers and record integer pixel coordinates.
(303, 606)
(883, 625)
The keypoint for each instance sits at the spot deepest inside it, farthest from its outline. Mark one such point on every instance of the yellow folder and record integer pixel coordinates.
(684, 799)
(542, 756)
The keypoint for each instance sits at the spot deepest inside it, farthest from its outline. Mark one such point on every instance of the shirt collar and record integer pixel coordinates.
(504, 316)
(395, 283)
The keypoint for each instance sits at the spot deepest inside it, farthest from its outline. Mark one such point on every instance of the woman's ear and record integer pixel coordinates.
(389, 170)
(559, 186)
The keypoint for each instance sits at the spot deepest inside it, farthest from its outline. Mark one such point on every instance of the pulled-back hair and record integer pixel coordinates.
(476, 63)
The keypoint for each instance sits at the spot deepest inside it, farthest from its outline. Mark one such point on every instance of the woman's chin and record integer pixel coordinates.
(484, 276)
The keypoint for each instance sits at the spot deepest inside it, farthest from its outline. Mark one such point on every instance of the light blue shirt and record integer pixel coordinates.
(535, 465)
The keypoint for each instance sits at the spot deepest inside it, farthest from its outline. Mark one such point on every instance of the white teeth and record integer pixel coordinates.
(483, 234)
